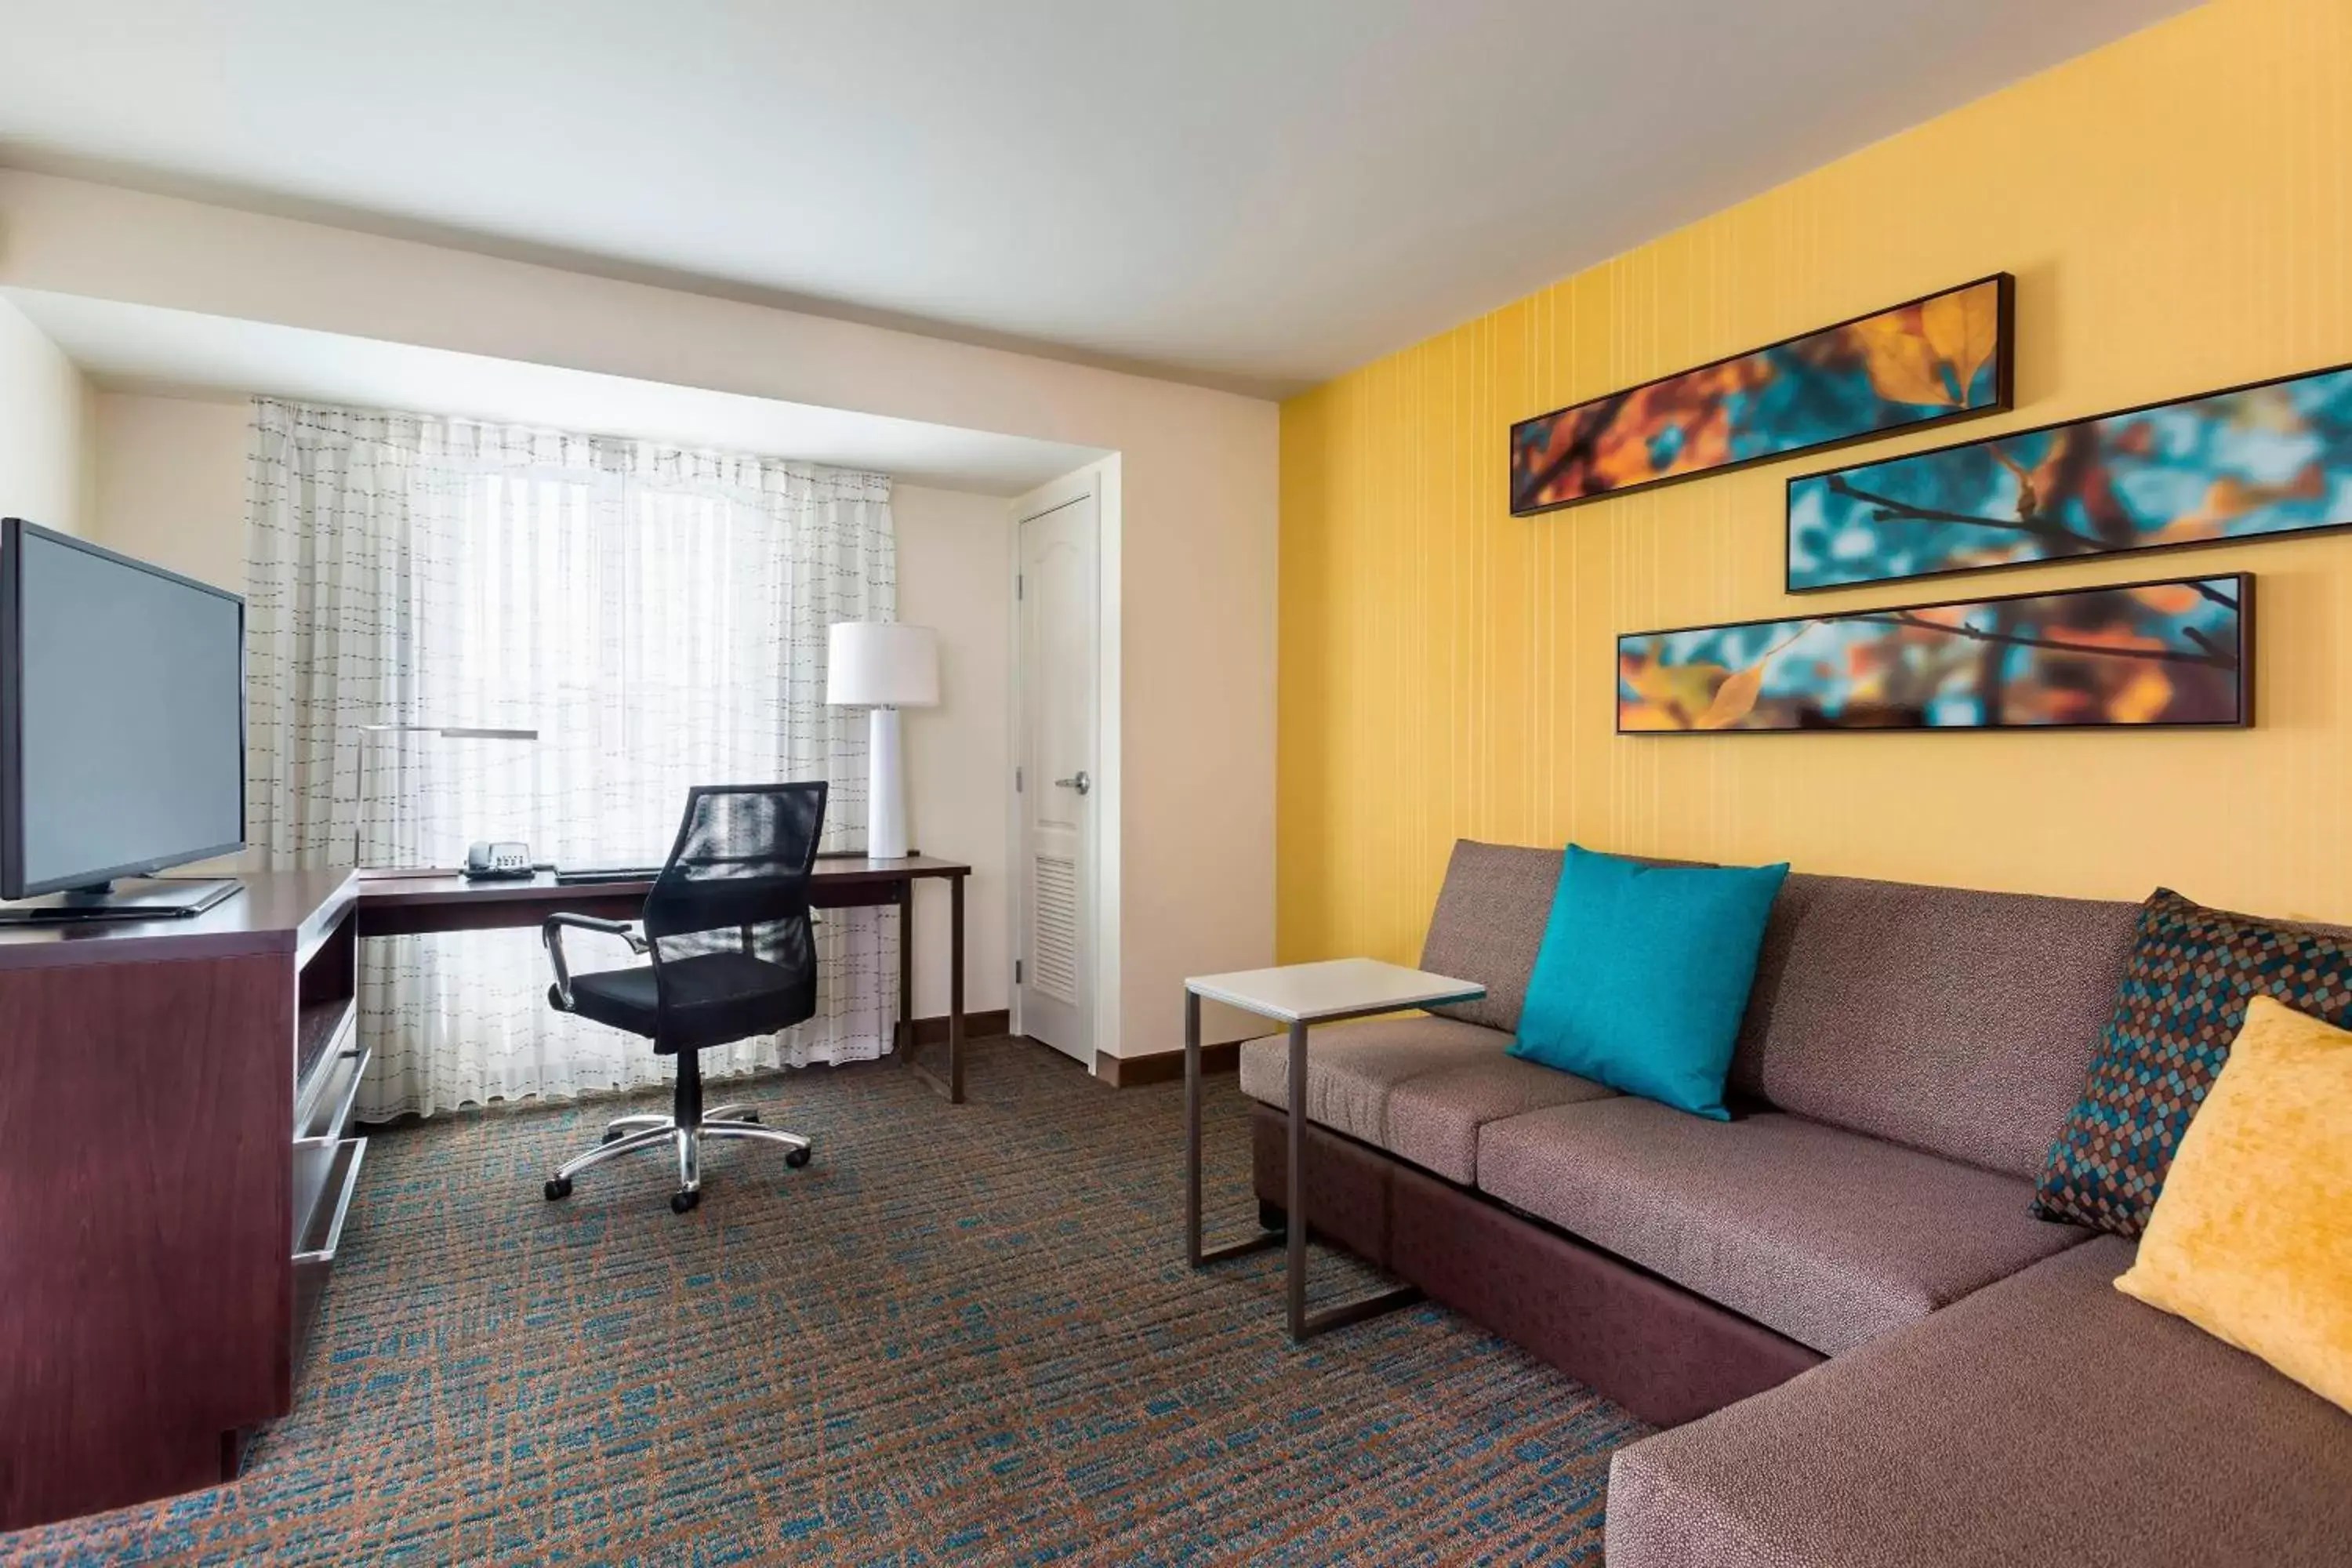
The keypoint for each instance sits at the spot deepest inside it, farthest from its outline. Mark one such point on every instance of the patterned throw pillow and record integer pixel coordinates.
(2182, 1000)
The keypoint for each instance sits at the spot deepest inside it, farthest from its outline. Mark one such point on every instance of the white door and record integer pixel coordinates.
(1054, 982)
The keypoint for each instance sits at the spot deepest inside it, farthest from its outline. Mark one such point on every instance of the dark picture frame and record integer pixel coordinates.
(1835, 355)
(1688, 681)
(1804, 488)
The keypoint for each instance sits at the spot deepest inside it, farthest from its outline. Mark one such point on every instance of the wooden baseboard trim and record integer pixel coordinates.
(986, 1026)
(1120, 1072)
(1164, 1066)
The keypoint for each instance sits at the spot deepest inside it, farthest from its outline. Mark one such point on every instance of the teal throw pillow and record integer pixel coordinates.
(1643, 975)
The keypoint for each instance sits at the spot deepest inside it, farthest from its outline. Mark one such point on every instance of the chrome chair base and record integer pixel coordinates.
(635, 1133)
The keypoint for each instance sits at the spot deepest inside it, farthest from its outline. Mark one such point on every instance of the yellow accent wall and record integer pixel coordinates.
(2178, 210)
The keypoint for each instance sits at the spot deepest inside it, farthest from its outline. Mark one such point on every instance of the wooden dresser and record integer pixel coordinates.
(175, 1173)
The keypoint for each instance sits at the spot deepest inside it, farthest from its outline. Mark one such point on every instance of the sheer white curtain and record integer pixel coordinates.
(658, 616)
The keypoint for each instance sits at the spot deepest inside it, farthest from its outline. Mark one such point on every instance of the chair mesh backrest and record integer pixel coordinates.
(741, 866)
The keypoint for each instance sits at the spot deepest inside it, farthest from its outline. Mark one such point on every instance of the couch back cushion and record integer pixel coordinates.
(1491, 917)
(1489, 922)
(1957, 1022)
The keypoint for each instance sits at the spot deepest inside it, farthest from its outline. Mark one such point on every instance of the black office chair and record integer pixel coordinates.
(727, 928)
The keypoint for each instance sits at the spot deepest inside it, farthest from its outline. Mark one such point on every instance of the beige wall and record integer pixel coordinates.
(170, 483)
(44, 428)
(955, 567)
(1193, 526)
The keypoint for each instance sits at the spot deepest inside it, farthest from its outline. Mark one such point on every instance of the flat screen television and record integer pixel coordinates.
(121, 731)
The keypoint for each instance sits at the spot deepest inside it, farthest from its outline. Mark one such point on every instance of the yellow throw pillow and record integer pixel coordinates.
(2252, 1237)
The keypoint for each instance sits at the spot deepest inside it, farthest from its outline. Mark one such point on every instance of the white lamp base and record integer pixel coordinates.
(886, 787)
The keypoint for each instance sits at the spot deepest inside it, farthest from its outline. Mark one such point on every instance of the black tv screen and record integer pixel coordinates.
(122, 715)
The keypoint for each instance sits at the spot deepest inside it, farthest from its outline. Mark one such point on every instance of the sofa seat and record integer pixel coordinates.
(2049, 1418)
(1417, 1087)
(1830, 1236)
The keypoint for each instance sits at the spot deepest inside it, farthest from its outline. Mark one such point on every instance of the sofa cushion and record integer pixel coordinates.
(2249, 1241)
(2047, 1418)
(1827, 1236)
(1489, 924)
(2183, 997)
(1417, 1087)
(1643, 974)
(1961, 1023)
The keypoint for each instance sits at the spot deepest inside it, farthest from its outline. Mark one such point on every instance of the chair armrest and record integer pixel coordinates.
(551, 931)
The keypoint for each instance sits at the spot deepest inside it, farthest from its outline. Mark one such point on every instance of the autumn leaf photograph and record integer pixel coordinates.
(2142, 654)
(2275, 457)
(1935, 358)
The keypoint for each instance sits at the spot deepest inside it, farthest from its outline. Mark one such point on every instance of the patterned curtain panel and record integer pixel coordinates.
(658, 617)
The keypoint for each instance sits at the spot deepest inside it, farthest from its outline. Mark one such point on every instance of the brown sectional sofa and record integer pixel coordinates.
(1867, 1350)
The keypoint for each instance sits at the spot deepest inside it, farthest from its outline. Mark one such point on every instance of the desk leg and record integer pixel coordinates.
(955, 989)
(950, 1087)
(905, 902)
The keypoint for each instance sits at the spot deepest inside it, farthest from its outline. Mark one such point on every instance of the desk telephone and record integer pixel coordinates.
(498, 862)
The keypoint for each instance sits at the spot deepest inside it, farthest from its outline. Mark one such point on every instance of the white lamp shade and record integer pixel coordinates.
(877, 664)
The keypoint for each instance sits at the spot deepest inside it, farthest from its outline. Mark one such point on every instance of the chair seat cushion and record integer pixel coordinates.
(1830, 1236)
(2047, 1419)
(1417, 1087)
(714, 997)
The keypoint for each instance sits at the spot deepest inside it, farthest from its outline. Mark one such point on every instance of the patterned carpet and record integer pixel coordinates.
(964, 1336)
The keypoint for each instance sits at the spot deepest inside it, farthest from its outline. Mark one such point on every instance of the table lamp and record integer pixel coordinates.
(883, 666)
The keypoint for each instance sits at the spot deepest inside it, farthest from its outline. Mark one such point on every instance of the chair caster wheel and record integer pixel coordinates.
(796, 1157)
(679, 1203)
(612, 1135)
(751, 1116)
(559, 1187)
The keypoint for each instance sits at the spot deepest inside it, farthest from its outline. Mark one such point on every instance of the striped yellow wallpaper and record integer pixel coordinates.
(2178, 210)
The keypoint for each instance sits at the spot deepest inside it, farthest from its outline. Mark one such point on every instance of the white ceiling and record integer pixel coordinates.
(1252, 193)
(143, 348)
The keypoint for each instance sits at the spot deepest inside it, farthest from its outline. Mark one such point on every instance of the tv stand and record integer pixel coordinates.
(128, 899)
(176, 1163)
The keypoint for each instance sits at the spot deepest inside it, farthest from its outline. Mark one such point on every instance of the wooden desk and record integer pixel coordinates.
(174, 1175)
(174, 1168)
(396, 904)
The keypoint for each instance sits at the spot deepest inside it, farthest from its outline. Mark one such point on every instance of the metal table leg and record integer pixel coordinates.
(1303, 1324)
(1193, 1253)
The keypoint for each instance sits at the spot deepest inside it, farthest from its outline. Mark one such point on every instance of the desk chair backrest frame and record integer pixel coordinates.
(739, 870)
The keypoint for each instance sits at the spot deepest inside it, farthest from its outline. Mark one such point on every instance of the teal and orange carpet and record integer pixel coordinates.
(963, 1335)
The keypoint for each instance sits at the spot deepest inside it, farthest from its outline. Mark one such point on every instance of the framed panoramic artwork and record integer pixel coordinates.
(2136, 655)
(2247, 462)
(1925, 361)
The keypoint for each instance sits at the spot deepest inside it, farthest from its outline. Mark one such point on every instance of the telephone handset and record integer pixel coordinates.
(498, 862)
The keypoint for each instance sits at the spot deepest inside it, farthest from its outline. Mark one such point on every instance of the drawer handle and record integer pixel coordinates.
(308, 1091)
(342, 1117)
(343, 1208)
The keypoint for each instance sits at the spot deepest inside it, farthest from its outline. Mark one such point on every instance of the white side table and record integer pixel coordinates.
(1298, 994)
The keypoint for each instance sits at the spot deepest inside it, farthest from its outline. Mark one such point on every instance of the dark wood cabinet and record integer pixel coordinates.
(174, 1171)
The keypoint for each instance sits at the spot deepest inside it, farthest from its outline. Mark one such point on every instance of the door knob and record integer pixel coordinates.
(1081, 783)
